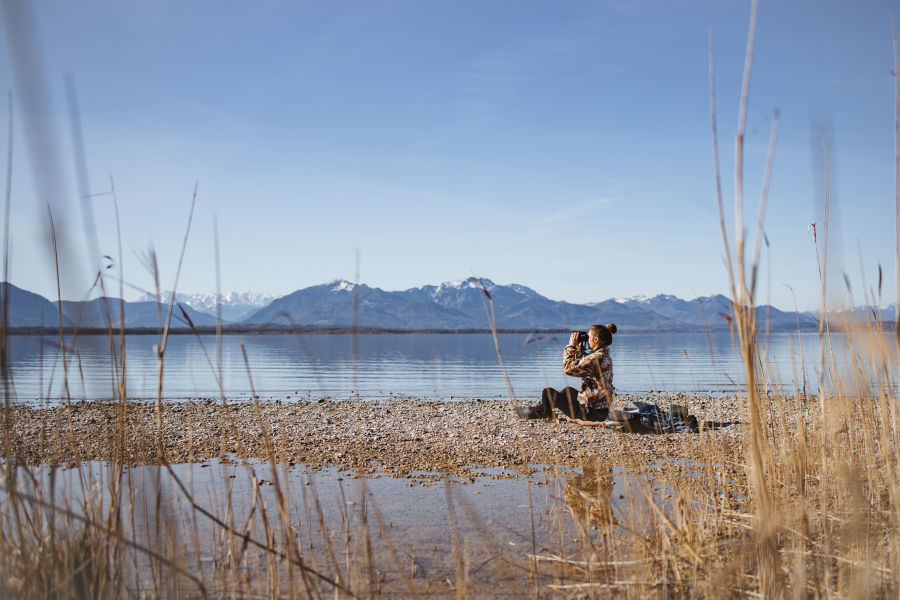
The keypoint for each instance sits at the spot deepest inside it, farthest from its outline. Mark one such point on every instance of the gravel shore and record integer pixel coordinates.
(396, 437)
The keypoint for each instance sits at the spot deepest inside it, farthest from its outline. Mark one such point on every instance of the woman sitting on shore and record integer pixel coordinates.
(591, 402)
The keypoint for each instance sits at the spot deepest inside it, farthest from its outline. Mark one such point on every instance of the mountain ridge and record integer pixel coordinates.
(454, 305)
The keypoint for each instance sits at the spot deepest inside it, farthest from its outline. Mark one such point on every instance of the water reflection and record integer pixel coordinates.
(589, 494)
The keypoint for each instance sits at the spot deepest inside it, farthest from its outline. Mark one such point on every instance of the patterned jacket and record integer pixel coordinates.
(596, 372)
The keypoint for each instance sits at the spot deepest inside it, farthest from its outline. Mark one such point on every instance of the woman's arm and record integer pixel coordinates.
(575, 365)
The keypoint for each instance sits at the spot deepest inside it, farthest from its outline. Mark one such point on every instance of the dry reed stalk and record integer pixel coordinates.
(896, 74)
(161, 348)
(409, 581)
(488, 302)
(743, 286)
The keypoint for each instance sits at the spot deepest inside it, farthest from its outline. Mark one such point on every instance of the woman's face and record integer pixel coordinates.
(593, 340)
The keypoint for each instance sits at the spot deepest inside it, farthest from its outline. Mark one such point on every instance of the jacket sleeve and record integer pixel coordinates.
(608, 371)
(576, 365)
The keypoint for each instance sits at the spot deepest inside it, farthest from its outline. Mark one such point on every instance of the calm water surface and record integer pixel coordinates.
(501, 521)
(434, 366)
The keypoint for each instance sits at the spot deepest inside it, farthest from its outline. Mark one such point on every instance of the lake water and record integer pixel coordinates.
(499, 521)
(433, 366)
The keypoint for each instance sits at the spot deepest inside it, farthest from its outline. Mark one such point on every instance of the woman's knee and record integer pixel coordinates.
(569, 393)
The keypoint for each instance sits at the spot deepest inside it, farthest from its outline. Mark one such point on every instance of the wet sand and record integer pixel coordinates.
(397, 437)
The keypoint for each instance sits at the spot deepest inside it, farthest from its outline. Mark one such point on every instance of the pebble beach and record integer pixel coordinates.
(396, 437)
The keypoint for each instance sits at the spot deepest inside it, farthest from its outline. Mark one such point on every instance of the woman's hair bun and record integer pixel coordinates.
(612, 327)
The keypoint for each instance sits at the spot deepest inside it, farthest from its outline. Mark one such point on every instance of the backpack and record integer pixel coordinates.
(645, 417)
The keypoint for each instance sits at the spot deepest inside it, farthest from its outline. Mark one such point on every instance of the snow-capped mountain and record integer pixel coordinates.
(709, 311)
(625, 300)
(331, 304)
(236, 306)
(862, 313)
(451, 305)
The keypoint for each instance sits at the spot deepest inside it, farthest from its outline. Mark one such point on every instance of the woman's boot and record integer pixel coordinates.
(538, 411)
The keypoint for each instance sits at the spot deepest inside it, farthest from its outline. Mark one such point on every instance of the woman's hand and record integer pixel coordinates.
(573, 339)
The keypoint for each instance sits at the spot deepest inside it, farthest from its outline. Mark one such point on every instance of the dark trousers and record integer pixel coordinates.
(566, 400)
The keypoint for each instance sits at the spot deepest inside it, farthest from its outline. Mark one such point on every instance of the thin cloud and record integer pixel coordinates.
(580, 209)
(488, 82)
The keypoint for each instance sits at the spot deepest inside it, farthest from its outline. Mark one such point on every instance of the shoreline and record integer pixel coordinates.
(34, 330)
(393, 437)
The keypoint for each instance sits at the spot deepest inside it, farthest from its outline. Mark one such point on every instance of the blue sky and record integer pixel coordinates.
(563, 146)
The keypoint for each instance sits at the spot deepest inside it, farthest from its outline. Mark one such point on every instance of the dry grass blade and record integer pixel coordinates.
(408, 580)
(717, 171)
(458, 555)
(896, 74)
(5, 372)
(591, 563)
(488, 302)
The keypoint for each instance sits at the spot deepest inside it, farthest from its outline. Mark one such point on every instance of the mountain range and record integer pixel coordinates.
(448, 306)
(235, 306)
(27, 309)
